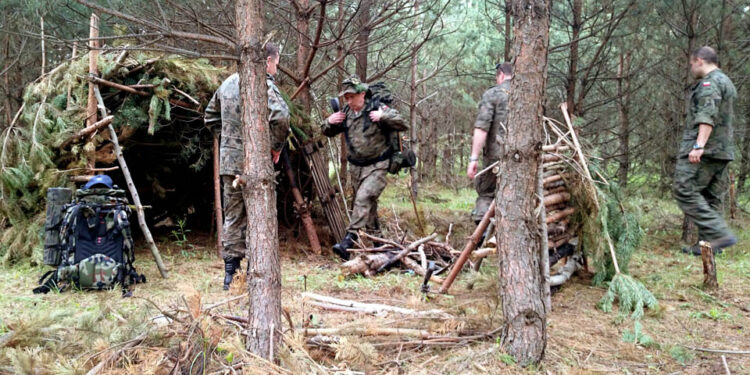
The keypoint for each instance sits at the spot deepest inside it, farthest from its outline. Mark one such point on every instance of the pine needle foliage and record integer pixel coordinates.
(31, 156)
(603, 218)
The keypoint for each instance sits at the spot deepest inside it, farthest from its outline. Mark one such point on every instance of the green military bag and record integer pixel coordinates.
(94, 247)
(57, 198)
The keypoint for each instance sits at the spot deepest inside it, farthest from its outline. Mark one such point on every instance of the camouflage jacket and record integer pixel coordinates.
(366, 139)
(712, 103)
(491, 117)
(225, 108)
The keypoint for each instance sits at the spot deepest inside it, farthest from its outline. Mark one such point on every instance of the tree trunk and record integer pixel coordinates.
(689, 230)
(413, 144)
(303, 52)
(573, 59)
(363, 39)
(623, 105)
(520, 243)
(259, 193)
(343, 174)
(508, 33)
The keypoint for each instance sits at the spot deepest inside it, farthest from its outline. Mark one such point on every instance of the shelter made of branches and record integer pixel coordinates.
(157, 101)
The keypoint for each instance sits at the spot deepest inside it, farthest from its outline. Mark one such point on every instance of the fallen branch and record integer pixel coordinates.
(374, 308)
(365, 331)
(413, 246)
(88, 130)
(113, 357)
(739, 352)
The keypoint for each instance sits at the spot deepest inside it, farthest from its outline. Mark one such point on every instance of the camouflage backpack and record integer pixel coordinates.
(89, 241)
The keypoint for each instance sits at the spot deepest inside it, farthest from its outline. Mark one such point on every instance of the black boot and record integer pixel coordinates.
(231, 265)
(346, 243)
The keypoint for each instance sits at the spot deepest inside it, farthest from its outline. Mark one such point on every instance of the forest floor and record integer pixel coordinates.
(68, 333)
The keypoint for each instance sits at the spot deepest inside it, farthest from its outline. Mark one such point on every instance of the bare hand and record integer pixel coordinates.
(275, 155)
(336, 118)
(471, 170)
(695, 156)
(376, 115)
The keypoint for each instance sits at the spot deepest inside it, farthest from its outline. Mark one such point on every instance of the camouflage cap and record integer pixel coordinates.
(352, 85)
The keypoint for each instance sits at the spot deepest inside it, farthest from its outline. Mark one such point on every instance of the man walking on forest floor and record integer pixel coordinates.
(490, 124)
(225, 108)
(707, 147)
(368, 126)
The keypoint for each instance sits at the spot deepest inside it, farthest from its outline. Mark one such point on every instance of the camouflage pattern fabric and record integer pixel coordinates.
(365, 141)
(95, 272)
(57, 199)
(224, 114)
(492, 115)
(699, 189)
(368, 182)
(235, 221)
(712, 103)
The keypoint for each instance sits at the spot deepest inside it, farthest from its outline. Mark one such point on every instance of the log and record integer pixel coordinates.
(573, 264)
(557, 216)
(555, 148)
(131, 188)
(550, 179)
(217, 200)
(471, 244)
(556, 199)
(367, 331)
(365, 264)
(88, 130)
(413, 246)
(80, 179)
(91, 103)
(93, 55)
(96, 80)
(374, 308)
(483, 253)
(547, 158)
(709, 266)
(299, 204)
(555, 189)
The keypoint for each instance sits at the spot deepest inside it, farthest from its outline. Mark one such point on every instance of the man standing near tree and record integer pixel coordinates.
(707, 147)
(225, 109)
(490, 124)
(368, 126)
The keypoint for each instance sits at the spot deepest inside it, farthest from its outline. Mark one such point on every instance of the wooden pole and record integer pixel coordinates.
(44, 54)
(131, 188)
(470, 246)
(72, 57)
(217, 200)
(300, 205)
(709, 266)
(91, 104)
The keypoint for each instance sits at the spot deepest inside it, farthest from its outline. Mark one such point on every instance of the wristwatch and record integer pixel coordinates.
(473, 158)
(697, 147)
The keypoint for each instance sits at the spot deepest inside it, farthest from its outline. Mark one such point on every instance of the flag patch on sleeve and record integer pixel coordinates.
(706, 84)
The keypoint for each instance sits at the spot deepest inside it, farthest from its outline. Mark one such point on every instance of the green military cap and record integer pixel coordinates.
(352, 85)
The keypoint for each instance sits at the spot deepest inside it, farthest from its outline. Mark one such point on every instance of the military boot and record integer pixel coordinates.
(231, 265)
(346, 243)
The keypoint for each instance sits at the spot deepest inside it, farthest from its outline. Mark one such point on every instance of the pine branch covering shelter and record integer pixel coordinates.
(159, 122)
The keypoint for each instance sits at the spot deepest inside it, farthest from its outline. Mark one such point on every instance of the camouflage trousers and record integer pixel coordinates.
(368, 182)
(485, 186)
(235, 220)
(699, 190)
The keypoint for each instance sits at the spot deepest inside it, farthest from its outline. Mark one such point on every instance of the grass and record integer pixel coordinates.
(58, 333)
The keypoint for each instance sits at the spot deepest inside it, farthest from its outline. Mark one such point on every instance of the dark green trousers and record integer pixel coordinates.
(699, 190)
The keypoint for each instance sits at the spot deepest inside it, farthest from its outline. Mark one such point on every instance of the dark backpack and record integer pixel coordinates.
(378, 95)
(89, 241)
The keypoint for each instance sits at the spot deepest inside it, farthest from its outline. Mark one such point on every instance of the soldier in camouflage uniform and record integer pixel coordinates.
(225, 109)
(707, 147)
(367, 133)
(489, 131)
